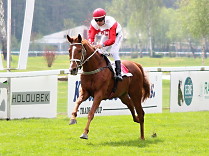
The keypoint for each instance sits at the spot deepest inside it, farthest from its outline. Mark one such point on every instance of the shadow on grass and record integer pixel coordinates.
(132, 143)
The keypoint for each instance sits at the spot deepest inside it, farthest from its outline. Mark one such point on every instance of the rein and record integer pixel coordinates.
(83, 60)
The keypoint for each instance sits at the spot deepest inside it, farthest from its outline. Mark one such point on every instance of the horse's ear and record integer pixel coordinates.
(79, 38)
(69, 39)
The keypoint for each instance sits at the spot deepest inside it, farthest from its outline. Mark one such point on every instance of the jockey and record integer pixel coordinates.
(112, 36)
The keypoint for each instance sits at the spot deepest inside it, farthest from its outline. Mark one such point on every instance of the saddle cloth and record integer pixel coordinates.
(124, 70)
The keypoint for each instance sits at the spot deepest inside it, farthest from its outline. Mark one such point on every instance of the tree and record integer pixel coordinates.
(195, 20)
(166, 17)
(3, 36)
(120, 9)
(140, 16)
(175, 33)
(146, 15)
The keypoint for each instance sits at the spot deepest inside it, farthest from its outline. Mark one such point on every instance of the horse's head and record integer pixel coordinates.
(77, 54)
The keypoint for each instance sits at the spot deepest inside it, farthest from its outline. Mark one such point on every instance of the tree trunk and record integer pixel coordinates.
(204, 47)
(191, 48)
(203, 51)
(4, 49)
(150, 41)
(3, 36)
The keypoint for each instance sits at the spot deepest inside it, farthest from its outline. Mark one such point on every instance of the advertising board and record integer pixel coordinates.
(115, 106)
(189, 91)
(31, 97)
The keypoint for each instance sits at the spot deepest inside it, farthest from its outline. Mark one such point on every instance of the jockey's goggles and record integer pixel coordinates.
(99, 19)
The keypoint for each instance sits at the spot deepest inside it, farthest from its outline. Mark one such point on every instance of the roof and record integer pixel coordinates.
(60, 37)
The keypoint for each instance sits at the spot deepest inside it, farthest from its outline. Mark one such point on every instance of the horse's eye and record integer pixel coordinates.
(69, 50)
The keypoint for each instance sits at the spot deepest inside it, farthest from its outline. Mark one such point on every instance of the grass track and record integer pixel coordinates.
(177, 134)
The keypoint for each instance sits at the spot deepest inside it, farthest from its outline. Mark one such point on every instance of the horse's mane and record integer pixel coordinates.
(86, 42)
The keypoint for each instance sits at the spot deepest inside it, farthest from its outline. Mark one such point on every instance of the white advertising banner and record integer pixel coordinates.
(189, 91)
(115, 106)
(31, 97)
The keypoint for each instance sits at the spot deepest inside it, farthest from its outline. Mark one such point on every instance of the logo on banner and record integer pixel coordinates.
(206, 90)
(180, 94)
(152, 91)
(2, 102)
(188, 91)
(85, 110)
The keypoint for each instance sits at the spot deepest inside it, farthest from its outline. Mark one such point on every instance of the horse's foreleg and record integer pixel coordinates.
(82, 97)
(74, 113)
(90, 117)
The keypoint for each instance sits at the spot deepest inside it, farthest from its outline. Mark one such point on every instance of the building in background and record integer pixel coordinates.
(58, 41)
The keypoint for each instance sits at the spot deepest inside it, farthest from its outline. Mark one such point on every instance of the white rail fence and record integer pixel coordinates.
(34, 94)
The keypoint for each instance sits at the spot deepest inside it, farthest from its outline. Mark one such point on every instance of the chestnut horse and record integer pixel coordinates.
(97, 81)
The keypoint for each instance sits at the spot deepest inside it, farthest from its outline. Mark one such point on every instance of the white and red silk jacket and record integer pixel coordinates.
(109, 29)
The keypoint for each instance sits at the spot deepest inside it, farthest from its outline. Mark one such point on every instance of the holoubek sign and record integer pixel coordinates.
(36, 97)
(115, 106)
(31, 97)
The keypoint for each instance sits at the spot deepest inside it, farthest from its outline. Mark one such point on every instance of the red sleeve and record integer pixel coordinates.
(91, 33)
(112, 35)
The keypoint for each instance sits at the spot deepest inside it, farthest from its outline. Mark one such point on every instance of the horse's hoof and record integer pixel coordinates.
(142, 138)
(73, 121)
(84, 136)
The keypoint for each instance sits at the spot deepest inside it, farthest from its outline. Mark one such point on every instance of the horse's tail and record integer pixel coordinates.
(146, 84)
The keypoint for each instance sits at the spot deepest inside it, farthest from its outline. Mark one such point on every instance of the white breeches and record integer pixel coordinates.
(114, 48)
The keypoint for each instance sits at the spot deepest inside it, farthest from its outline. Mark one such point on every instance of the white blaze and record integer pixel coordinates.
(72, 57)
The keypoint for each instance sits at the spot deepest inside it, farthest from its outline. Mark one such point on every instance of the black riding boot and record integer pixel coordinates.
(118, 70)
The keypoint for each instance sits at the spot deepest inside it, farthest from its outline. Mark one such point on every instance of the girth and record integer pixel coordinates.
(111, 69)
(95, 71)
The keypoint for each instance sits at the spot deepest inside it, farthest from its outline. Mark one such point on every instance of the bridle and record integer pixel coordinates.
(82, 60)
(82, 56)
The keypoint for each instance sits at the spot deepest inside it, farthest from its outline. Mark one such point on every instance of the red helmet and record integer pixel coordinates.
(99, 13)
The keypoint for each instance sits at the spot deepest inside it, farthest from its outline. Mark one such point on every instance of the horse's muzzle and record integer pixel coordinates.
(73, 71)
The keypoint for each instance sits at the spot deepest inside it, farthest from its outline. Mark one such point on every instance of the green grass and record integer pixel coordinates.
(166, 94)
(171, 62)
(62, 96)
(62, 62)
(177, 134)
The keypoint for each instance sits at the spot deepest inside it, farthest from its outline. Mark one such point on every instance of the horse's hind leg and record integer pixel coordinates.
(136, 97)
(82, 97)
(129, 103)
